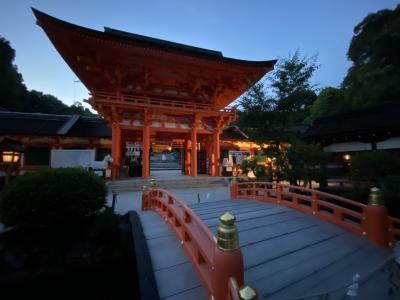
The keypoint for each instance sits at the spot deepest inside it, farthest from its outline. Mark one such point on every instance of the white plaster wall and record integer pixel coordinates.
(391, 143)
(349, 146)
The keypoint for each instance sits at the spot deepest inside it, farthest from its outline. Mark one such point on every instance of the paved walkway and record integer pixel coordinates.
(286, 253)
(127, 201)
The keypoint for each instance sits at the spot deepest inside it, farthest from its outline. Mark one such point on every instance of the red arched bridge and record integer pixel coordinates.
(279, 241)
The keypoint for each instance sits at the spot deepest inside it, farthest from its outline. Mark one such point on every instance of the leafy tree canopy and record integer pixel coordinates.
(16, 97)
(305, 163)
(374, 77)
(271, 108)
(330, 101)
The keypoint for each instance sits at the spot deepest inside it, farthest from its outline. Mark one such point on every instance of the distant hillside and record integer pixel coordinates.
(14, 95)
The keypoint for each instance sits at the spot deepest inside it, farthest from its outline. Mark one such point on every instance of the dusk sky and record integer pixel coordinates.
(251, 30)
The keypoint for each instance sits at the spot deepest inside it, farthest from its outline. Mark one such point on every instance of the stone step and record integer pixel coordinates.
(189, 183)
(137, 184)
(159, 166)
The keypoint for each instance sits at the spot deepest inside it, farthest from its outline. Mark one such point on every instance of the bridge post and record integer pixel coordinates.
(376, 225)
(314, 203)
(153, 183)
(279, 193)
(145, 197)
(228, 259)
(247, 292)
(234, 189)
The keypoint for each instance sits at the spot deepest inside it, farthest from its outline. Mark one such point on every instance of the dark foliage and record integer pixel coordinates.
(271, 109)
(374, 77)
(16, 97)
(381, 169)
(391, 194)
(92, 258)
(306, 163)
(53, 196)
(374, 166)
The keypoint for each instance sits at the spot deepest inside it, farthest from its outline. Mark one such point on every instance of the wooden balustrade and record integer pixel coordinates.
(369, 220)
(160, 102)
(214, 266)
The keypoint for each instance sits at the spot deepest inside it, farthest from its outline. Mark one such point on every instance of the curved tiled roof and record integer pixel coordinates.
(50, 124)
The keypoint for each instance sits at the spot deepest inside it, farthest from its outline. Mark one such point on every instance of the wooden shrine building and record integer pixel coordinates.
(149, 89)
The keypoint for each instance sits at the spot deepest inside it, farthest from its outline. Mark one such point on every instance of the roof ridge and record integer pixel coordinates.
(49, 115)
(129, 37)
(144, 38)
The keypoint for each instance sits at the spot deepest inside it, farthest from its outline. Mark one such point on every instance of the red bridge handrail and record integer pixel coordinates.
(370, 220)
(214, 266)
(394, 230)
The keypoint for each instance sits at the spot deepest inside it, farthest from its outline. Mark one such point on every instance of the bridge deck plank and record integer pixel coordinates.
(286, 253)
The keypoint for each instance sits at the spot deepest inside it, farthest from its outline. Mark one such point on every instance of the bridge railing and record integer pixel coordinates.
(161, 102)
(216, 263)
(369, 220)
(394, 230)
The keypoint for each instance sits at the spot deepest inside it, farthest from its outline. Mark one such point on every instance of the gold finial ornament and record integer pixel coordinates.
(145, 189)
(247, 292)
(227, 236)
(153, 183)
(375, 197)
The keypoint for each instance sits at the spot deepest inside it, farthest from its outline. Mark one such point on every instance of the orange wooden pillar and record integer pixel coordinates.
(187, 158)
(146, 150)
(208, 154)
(215, 154)
(116, 150)
(193, 153)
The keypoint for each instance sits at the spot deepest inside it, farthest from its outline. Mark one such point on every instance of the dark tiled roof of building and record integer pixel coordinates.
(159, 42)
(382, 120)
(233, 133)
(49, 125)
(53, 125)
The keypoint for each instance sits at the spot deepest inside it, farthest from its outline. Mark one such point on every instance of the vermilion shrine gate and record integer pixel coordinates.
(154, 90)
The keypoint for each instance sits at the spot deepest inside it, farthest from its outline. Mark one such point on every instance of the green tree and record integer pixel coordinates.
(16, 97)
(306, 163)
(11, 83)
(374, 76)
(330, 101)
(271, 108)
(377, 168)
(375, 52)
(291, 85)
(374, 166)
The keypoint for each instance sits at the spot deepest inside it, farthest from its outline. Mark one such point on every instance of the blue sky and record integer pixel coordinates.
(252, 30)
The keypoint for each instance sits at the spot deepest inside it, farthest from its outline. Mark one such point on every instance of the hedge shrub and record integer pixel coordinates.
(52, 196)
(374, 166)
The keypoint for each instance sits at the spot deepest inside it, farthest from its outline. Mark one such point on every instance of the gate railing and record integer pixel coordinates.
(371, 221)
(218, 261)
